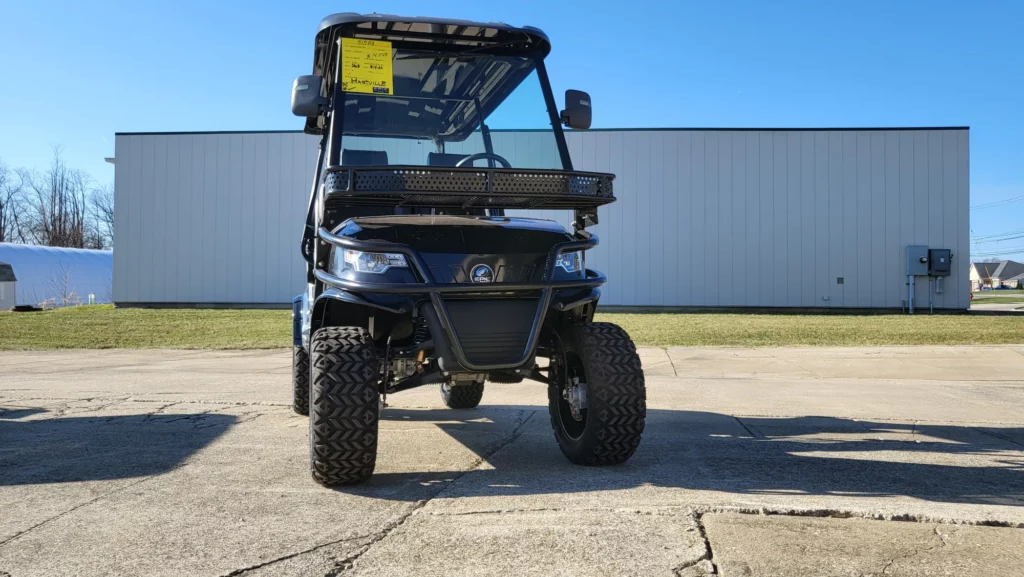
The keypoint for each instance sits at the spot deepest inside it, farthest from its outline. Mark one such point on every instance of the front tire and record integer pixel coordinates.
(462, 396)
(344, 406)
(300, 381)
(597, 398)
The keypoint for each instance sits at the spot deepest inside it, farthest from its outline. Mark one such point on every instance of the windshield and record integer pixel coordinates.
(433, 117)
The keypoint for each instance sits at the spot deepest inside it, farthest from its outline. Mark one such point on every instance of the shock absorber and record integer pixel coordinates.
(420, 331)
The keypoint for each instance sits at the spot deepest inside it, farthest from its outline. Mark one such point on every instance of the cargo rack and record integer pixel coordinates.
(418, 186)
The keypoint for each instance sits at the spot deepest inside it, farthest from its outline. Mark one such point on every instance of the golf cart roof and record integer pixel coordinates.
(460, 31)
(442, 87)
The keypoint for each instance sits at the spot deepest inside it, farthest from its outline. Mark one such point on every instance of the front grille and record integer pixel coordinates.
(492, 332)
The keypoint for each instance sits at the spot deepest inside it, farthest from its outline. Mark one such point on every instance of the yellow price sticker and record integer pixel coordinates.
(366, 66)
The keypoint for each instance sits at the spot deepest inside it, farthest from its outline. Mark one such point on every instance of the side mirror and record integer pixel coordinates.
(577, 109)
(306, 98)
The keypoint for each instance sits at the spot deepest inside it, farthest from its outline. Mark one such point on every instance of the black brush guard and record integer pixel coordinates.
(583, 241)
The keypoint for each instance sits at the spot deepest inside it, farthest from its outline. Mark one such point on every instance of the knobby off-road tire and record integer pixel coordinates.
(462, 396)
(300, 381)
(616, 396)
(344, 407)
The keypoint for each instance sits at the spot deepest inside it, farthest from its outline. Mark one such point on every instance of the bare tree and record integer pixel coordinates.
(12, 205)
(58, 205)
(101, 212)
(61, 293)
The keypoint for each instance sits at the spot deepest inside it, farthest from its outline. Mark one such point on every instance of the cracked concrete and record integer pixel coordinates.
(894, 461)
(705, 563)
(321, 559)
(572, 542)
(780, 545)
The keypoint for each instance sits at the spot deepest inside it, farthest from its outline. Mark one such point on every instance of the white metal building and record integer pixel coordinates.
(806, 218)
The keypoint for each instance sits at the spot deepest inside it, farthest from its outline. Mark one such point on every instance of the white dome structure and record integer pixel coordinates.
(59, 276)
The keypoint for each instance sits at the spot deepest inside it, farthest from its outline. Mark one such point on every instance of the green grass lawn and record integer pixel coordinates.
(763, 330)
(103, 326)
(998, 297)
(999, 300)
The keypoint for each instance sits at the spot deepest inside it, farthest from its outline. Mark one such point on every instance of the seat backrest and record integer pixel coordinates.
(443, 159)
(350, 157)
(355, 158)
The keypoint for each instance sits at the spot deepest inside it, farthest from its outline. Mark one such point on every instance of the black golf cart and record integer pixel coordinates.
(415, 275)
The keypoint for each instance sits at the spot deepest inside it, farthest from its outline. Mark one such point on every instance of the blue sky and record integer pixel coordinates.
(73, 73)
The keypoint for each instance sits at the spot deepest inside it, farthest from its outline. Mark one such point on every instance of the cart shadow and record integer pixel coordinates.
(705, 451)
(80, 448)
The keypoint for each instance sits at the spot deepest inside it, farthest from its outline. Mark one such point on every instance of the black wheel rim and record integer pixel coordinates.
(571, 367)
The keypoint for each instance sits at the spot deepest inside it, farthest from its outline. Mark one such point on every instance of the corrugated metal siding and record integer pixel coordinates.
(704, 217)
(210, 218)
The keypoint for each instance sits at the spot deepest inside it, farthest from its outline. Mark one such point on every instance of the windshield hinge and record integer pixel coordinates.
(584, 218)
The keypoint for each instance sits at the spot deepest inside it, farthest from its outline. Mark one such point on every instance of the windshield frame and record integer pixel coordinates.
(335, 121)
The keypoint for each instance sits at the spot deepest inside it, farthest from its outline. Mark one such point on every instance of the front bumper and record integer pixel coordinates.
(445, 331)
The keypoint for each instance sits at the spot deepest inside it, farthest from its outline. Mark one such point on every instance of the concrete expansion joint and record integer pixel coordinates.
(998, 436)
(870, 419)
(850, 514)
(671, 363)
(214, 402)
(747, 429)
(507, 511)
(703, 566)
(652, 512)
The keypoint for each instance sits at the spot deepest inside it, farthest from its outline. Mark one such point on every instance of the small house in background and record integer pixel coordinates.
(55, 277)
(7, 282)
(1003, 273)
(1016, 281)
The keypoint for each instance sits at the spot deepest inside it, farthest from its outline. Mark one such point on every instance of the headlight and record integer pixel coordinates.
(370, 262)
(571, 261)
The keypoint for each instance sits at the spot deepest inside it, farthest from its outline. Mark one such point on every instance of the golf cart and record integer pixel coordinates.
(414, 273)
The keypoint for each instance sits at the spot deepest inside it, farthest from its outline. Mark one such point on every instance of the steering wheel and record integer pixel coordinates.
(480, 156)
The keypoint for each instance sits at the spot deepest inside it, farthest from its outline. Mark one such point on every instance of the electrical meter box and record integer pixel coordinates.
(917, 260)
(939, 261)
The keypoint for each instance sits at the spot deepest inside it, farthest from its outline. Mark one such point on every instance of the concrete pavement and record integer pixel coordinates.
(801, 461)
(981, 305)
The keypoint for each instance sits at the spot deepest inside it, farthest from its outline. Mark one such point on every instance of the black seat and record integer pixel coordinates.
(354, 158)
(443, 159)
(351, 157)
